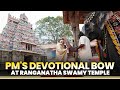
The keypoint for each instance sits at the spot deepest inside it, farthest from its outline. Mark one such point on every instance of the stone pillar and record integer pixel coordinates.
(75, 29)
(39, 58)
(15, 56)
(10, 56)
(34, 58)
(74, 21)
(22, 56)
(0, 56)
(5, 56)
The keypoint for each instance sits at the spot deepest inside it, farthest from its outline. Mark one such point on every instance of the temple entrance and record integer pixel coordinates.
(28, 58)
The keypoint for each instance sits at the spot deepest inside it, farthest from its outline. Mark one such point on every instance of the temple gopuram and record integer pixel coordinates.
(18, 41)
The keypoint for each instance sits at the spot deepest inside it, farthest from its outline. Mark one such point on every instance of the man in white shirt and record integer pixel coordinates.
(84, 49)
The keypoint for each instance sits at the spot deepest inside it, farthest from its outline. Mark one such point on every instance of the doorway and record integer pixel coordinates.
(28, 58)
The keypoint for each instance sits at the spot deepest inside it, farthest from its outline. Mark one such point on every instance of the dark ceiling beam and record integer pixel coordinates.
(74, 16)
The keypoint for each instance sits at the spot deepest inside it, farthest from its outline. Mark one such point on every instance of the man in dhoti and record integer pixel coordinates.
(84, 49)
(61, 51)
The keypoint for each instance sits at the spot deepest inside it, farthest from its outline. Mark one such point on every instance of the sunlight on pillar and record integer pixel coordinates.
(80, 26)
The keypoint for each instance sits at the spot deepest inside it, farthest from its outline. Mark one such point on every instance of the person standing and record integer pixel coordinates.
(61, 51)
(84, 49)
